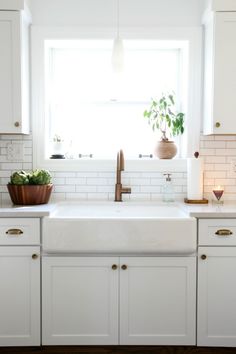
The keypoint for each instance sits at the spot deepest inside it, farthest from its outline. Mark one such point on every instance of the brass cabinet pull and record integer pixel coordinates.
(203, 256)
(223, 232)
(217, 124)
(124, 267)
(35, 256)
(114, 266)
(17, 124)
(15, 232)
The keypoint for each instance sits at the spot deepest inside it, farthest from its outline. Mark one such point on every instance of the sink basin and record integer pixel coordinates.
(119, 228)
(106, 210)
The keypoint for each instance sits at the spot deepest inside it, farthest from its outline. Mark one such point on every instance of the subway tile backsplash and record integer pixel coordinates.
(217, 151)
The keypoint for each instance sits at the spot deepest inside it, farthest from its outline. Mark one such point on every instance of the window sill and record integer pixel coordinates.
(155, 165)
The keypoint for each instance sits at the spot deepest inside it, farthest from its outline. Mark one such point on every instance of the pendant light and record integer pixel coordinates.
(117, 59)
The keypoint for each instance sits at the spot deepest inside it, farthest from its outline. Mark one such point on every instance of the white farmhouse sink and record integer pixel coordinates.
(119, 228)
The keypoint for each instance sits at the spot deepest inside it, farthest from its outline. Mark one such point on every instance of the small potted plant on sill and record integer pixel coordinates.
(162, 116)
(58, 147)
(30, 188)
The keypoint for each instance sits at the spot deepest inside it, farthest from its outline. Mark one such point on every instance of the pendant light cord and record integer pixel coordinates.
(118, 18)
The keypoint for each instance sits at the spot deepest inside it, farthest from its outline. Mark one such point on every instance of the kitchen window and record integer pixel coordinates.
(95, 111)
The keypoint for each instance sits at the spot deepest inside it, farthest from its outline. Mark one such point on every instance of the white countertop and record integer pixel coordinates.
(16, 211)
(227, 210)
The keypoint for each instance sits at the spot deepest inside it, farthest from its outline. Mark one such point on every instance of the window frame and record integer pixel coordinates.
(192, 35)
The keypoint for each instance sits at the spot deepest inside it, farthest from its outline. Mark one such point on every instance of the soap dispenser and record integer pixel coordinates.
(167, 189)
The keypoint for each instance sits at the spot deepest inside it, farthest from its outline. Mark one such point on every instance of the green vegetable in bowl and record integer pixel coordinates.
(19, 178)
(37, 177)
(40, 177)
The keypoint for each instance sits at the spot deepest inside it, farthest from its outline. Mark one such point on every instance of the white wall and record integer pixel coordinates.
(217, 151)
(103, 12)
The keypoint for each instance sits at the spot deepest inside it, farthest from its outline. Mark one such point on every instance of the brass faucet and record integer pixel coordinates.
(119, 190)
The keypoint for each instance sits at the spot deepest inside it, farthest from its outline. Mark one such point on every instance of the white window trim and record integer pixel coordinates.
(191, 34)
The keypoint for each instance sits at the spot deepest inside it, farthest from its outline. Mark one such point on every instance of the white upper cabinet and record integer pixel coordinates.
(14, 72)
(219, 102)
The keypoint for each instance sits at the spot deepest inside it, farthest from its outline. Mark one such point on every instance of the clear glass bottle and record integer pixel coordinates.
(168, 189)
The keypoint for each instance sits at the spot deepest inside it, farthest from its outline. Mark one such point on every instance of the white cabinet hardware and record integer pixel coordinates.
(35, 256)
(223, 232)
(15, 232)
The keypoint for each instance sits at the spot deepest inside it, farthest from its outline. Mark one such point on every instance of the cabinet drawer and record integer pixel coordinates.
(217, 232)
(19, 231)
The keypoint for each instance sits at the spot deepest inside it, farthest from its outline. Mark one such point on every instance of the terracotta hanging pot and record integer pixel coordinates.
(165, 149)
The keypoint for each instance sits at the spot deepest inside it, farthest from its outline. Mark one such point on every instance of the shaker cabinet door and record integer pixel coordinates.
(220, 73)
(216, 296)
(158, 300)
(20, 296)
(14, 73)
(80, 300)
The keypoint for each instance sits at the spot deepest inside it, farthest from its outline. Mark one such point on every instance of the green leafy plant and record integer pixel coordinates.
(36, 177)
(40, 177)
(19, 178)
(162, 116)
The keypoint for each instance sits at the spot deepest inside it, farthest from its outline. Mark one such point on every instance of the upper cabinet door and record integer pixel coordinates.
(220, 73)
(14, 72)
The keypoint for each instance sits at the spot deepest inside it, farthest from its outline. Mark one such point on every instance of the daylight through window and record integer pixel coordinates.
(96, 111)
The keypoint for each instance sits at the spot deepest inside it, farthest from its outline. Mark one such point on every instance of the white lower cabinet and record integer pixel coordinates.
(217, 296)
(20, 296)
(80, 300)
(157, 301)
(91, 300)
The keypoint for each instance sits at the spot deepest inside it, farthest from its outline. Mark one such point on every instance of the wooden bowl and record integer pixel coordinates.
(30, 194)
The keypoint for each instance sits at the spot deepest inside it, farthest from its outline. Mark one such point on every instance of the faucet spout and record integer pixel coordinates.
(122, 161)
(119, 189)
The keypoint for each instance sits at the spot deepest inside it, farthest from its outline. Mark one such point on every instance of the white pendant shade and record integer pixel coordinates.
(117, 59)
(117, 55)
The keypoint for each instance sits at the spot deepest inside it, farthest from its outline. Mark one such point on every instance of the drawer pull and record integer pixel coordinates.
(224, 232)
(124, 267)
(203, 257)
(114, 266)
(35, 256)
(14, 232)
